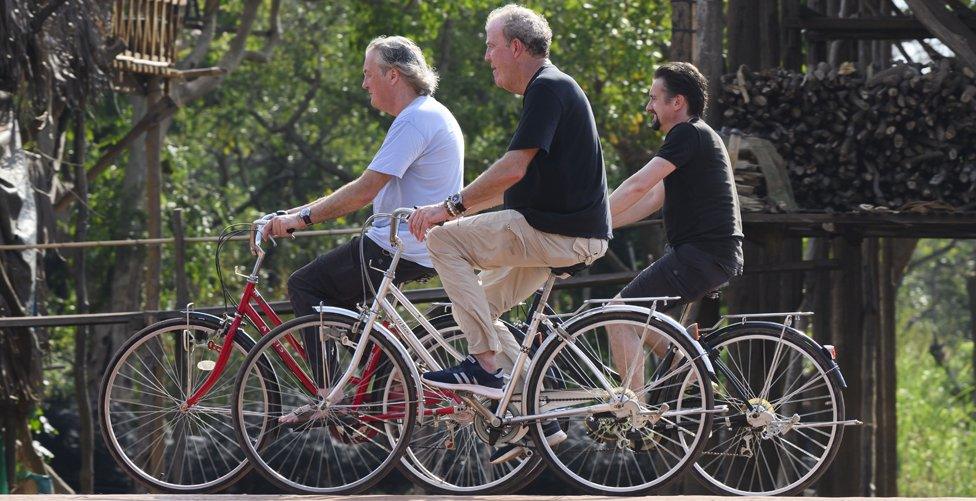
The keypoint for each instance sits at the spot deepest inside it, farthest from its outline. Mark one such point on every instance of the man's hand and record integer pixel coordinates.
(423, 218)
(280, 226)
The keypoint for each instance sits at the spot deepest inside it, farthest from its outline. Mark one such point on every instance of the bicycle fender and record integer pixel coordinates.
(807, 340)
(378, 327)
(196, 315)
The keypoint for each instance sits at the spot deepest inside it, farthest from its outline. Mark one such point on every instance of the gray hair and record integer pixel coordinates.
(526, 25)
(404, 55)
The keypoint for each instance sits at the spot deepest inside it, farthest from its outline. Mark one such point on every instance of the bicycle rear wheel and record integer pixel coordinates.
(154, 441)
(344, 448)
(769, 379)
(663, 416)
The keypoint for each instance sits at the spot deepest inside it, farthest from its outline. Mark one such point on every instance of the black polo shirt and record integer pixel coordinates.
(564, 190)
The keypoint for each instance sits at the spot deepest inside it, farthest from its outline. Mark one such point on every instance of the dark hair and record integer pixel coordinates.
(686, 80)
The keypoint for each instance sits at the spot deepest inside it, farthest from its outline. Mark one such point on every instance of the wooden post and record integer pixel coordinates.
(791, 39)
(179, 258)
(153, 196)
(887, 438)
(843, 478)
(871, 331)
(816, 51)
(769, 33)
(743, 33)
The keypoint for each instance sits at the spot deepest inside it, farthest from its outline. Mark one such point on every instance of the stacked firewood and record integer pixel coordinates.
(903, 135)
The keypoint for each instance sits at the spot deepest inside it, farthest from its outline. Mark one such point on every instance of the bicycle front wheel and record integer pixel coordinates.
(449, 451)
(637, 413)
(781, 431)
(156, 441)
(315, 448)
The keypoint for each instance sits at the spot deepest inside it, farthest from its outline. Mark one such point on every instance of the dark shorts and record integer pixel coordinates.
(336, 278)
(686, 272)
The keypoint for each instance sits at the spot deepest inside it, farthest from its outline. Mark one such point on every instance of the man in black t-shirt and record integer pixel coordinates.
(691, 178)
(552, 186)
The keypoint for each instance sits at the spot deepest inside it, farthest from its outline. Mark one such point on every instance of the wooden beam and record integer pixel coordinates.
(866, 28)
(956, 33)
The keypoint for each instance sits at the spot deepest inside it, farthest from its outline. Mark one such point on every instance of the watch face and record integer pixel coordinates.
(455, 199)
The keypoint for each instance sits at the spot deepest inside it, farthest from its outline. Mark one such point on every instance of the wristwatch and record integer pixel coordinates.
(454, 205)
(306, 215)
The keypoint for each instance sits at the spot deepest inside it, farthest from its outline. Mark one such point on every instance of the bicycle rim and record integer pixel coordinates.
(156, 442)
(615, 454)
(746, 457)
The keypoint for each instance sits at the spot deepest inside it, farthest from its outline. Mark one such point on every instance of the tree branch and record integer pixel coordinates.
(947, 26)
(304, 148)
(38, 22)
(912, 266)
(229, 61)
(206, 37)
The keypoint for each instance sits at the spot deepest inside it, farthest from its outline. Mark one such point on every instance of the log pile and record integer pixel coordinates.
(904, 135)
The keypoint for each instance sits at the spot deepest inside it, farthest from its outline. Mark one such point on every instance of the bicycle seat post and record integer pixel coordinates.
(538, 314)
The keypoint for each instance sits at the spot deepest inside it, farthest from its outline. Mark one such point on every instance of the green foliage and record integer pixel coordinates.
(936, 412)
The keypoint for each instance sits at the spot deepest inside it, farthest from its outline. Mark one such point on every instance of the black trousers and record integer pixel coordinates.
(686, 272)
(336, 279)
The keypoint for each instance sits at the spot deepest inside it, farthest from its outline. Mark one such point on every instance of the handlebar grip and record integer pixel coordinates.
(395, 217)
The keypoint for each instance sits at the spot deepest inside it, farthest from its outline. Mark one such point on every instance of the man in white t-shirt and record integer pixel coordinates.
(420, 162)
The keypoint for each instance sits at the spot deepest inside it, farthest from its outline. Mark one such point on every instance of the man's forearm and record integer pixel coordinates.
(490, 186)
(347, 199)
(645, 206)
(483, 206)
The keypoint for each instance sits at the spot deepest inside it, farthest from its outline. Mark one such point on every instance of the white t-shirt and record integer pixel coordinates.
(424, 152)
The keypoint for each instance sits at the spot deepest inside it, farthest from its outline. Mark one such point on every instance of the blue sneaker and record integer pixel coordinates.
(468, 376)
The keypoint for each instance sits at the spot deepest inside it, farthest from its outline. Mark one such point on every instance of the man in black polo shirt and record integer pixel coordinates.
(552, 186)
(691, 178)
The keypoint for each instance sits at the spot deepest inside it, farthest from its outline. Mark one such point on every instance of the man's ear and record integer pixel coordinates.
(393, 74)
(680, 101)
(518, 47)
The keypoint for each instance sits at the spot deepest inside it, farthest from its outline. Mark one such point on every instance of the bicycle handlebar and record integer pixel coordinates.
(395, 217)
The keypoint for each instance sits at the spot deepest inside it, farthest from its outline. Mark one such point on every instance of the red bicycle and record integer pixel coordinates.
(164, 404)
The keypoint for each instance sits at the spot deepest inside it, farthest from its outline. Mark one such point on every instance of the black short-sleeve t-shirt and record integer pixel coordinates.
(701, 205)
(564, 190)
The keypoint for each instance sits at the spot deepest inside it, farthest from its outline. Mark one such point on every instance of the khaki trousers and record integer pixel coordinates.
(514, 258)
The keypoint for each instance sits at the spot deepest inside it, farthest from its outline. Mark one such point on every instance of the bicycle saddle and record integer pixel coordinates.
(568, 271)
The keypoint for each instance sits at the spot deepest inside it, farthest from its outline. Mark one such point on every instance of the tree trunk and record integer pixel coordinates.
(711, 24)
(125, 280)
(86, 432)
(682, 30)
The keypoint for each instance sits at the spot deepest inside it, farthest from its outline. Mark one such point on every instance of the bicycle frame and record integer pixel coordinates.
(382, 303)
(245, 309)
